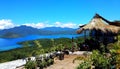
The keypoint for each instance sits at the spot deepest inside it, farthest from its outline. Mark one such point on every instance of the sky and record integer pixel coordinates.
(58, 13)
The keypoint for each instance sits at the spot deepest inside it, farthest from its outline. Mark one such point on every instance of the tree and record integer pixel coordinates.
(37, 44)
(25, 44)
(39, 50)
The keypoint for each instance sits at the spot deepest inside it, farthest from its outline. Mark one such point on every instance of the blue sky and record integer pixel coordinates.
(60, 13)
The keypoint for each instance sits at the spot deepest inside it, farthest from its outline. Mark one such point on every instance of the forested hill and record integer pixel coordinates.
(27, 30)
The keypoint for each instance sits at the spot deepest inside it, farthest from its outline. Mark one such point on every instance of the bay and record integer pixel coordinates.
(11, 43)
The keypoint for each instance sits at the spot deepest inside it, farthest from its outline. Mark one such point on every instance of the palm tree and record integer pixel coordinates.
(39, 50)
(37, 44)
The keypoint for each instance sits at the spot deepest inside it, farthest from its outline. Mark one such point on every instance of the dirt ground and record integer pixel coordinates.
(67, 63)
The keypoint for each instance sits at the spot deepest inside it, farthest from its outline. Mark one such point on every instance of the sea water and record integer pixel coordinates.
(11, 43)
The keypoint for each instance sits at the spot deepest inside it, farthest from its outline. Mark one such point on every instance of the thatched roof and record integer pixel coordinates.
(99, 24)
(115, 23)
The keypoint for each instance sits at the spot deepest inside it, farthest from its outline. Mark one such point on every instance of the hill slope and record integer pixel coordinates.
(26, 30)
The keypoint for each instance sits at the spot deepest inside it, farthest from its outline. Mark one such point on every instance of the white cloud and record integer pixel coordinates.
(6, 23)
(56, 24)
(68, 25)
(35, 25)
(38, 25)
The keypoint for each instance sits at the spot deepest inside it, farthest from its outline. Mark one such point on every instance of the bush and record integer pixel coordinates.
(100, 60)
(31, 65)
(40, 64)
(50, 61)
(84, 65)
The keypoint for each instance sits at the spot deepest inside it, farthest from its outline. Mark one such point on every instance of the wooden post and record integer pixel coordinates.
(117, 37)
(85, 35)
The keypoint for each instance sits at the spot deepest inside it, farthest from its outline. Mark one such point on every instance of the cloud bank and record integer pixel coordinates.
(7, 23)
(63, 25)
(56, 24)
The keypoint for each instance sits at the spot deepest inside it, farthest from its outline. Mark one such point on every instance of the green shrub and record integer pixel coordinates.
(31, 65)
(39, 64)
(44, 63)
(84, 65)
(97, 59)
(50, 61)
(100, 60)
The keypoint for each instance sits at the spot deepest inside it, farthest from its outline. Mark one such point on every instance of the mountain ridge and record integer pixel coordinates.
(23, 30)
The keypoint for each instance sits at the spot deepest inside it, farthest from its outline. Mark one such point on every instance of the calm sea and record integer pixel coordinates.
(7, 44)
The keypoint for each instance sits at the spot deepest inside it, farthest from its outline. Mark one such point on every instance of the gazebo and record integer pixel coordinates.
(101, 29)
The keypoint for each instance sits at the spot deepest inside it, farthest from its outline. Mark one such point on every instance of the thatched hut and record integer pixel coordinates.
(98, 23)
(100, 29)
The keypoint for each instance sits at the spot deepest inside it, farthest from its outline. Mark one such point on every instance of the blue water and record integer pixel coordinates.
(7, 44)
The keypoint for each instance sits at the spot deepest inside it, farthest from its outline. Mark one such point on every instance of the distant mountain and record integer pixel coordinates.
(59, 30)
(27, 30)
(18, 31)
